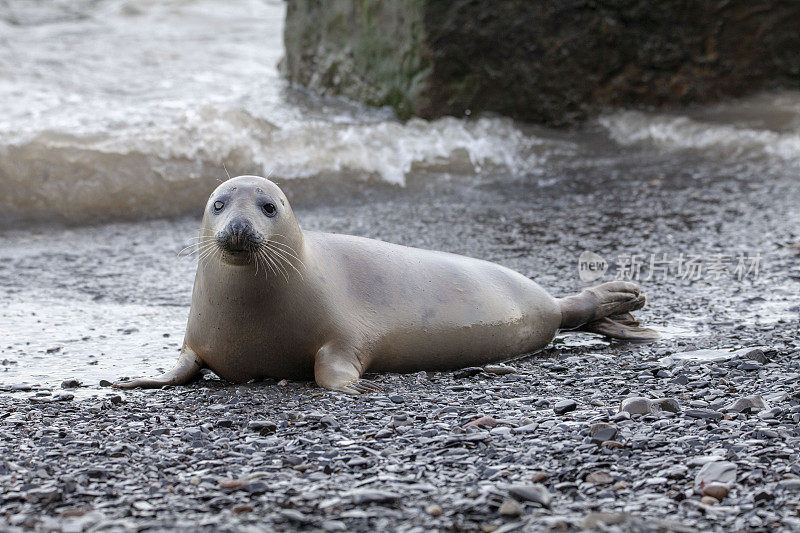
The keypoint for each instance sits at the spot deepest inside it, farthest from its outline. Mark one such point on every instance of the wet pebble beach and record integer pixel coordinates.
(576, 438)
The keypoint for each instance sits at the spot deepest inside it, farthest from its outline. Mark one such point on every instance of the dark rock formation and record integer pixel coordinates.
(553, 62)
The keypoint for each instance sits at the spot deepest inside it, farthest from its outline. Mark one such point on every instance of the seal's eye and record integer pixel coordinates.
(218, 205)
(270, 210)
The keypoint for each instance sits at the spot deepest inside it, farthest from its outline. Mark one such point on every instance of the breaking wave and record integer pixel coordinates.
(762, 127)
(171, 168)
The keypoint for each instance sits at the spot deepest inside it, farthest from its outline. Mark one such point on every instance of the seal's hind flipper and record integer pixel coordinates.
(621, 326)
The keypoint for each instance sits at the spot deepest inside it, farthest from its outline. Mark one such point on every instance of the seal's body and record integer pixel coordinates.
(398, 308)
(271, 300)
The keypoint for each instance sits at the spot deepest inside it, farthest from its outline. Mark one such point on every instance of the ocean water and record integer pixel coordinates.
(118, 117)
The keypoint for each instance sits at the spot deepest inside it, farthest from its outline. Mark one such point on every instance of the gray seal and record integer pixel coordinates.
(273, 301)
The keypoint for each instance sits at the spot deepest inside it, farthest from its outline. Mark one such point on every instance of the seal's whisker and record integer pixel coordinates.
(195, 245)
(287, 249)
(263, 255)
(198, 252)
(206, 253)
(285, 260)
(280, 266)
(205, 245)
(226, 170)
(259, 258)
(290, 253)
(271, 256)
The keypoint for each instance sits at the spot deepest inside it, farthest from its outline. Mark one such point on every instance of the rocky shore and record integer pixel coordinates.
(567, 440)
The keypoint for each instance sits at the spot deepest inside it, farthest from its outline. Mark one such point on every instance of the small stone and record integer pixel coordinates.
(500, 431)
(333, 525)
(680, 379)
(765, 433)
(434, 510)
(636, 406)
(467, 372)
(621, 416)
(762, 495)
(667, 404)
(486, 421)
(599, 477)
(43, 495)
(256, 487)
(704, 413)
(750, 366)
(592, 520)
(262, 426)
(527, 428)
(715, 472)
(232, 484)
(191, 434)
(242, 508)
(612, 444)
(709, 500)
(396, 398)
(604, 435)
(291, 460)
(601, 432)
(757, 355)
(70, 384)
(73, 512)
(105, 383)
(748, 404)
(499, 370)
(716, 490)
(538, 476)
(359, 496)
(63, 397)
(510, 507)
(790, 484)
(142, 505)
(564, 406)
(536, 493)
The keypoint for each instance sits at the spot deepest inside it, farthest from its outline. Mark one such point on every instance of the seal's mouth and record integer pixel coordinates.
(239, 243)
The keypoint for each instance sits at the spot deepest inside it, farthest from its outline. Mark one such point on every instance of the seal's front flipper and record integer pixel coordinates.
(338, 368)
(621, 326)
(185, 370)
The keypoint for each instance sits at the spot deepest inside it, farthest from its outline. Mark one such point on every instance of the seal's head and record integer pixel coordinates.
(249, 217)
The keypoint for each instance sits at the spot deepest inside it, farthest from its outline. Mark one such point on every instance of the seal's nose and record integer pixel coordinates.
(238, 235)
(239, 227)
